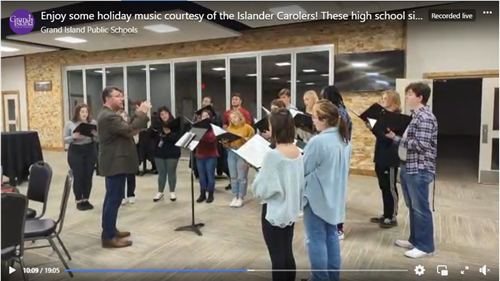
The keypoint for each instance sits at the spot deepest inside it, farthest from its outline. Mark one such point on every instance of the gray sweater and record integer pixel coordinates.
(68, 131)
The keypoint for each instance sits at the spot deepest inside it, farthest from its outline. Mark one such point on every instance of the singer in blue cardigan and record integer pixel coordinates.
(326, 168)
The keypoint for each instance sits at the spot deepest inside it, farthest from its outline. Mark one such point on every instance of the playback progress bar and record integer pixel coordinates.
(233, 270)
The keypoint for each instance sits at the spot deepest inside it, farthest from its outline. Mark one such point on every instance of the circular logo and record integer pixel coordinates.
(22, 22)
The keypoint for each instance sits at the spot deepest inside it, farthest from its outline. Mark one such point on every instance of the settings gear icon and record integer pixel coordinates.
(419, 270)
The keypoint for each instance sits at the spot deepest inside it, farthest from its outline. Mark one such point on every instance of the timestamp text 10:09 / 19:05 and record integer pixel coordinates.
(89, 29)
(41, 270)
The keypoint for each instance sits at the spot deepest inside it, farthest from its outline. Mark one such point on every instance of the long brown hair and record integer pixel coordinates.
(76, 113)
(329, 113)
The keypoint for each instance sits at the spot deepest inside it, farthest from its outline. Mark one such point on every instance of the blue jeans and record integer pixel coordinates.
(115, 192)
(206, 172)
(238, 170)
(323, 246)
(416, 194)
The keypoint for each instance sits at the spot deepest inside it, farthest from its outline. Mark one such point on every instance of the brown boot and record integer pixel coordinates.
(122, 234)
(116, 243)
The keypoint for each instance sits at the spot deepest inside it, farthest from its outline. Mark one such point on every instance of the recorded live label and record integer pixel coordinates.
(452, 15)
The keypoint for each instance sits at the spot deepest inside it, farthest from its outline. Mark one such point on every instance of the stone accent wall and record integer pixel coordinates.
(45, 110)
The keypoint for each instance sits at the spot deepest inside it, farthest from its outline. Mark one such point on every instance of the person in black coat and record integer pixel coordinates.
(386, 166)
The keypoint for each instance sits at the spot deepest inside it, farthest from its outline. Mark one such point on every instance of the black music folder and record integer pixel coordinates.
(302, 120)
(372, 112)
(85, 129)
(222, 134)
(174, 125)
(204, 123)
(262, 125)
(393, 121)
(254, 151)
(208, 108)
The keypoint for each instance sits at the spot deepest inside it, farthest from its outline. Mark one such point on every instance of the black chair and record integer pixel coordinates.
(38, 187)
(48, 229)
(14, 206)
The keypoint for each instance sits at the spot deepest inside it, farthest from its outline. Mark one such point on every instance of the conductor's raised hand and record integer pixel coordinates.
(145, 107)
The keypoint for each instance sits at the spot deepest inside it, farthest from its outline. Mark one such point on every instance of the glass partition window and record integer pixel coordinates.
(94, 87)
(186, 89)
(213, 82)
(312, 72)
(276, 75)
(136, 87)
(75, 90)
(244, 81)
(159, 86)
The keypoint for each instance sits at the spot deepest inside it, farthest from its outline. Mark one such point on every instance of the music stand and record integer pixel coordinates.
(190, 141)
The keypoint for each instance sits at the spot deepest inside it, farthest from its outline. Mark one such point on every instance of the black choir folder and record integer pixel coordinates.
(208, 108)
(191, 139)
(204, 123)
(262, 125)
(372, 112)
(253, 151)
(302, 120)
(174, 125)
(222, 134)
(85, 129)
(393, 121)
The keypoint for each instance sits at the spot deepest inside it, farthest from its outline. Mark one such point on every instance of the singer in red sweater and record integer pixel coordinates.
(206, 160)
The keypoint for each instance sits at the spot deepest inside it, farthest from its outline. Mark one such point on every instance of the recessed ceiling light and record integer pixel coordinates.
(100, 71)
(309, 70)
(161, 28)
(289, 10)
(310, 83)
(371, 74)
(359, 64)
(325, 75)
(218, 69)
(9, 49)
(275, 78)
(251, 75)
(283, 63)
(72, 40)
(382, 82)
(298, 81)
(151, 69)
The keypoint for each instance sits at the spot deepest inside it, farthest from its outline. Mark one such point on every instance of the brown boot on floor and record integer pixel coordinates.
(116, 243)
(122, 234)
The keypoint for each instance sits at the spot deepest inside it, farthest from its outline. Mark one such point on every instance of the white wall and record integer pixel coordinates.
(14, 79)
(453, 46)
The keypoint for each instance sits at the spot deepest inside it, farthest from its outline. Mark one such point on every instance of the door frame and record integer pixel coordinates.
(467, 74)
(19, 115)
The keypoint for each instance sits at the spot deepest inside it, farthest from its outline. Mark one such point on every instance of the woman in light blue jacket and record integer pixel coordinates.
(326, 168)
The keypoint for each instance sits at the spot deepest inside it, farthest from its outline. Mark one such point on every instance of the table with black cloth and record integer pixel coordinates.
(20, 150)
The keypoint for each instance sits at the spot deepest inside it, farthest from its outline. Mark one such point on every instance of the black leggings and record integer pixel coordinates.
(279, 243)
(82, 160)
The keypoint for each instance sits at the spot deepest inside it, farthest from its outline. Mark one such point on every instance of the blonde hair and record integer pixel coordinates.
(394, 98)
(329, 113)
(240, 116)
(314, 98)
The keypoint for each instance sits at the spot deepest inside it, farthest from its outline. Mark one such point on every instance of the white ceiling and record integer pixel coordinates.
(188, 31)
(10, 7)
(23, 49)
(309, 7)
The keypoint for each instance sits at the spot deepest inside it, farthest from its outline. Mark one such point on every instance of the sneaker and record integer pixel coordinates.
(388, 223)
(238, 203)
(301, 214)
(87, 205)
(172, 196)
(416, 254)
(404, 244)
(341, 235)
(233, 202)
(131, 200)
(159, 196)
(124, 201)
(378, 219)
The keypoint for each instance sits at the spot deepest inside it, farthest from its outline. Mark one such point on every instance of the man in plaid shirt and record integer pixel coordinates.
(418, 149)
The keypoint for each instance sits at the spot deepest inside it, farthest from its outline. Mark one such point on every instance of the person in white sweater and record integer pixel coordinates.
(278, 185)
